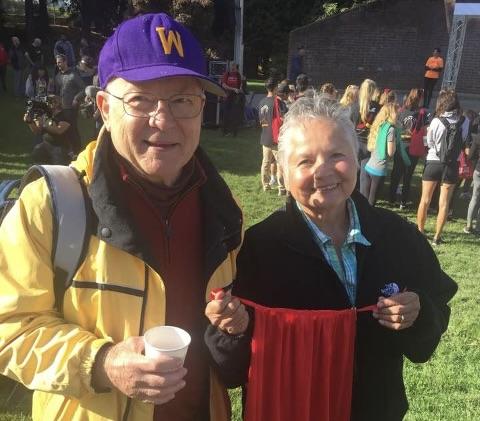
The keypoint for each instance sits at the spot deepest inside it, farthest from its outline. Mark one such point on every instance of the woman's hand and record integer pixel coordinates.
(398, 311)
(227, 313)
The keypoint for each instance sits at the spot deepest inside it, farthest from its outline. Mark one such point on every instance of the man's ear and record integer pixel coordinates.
(104, 107)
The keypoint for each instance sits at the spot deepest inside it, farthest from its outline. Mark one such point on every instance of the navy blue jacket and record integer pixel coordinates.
(280, 265)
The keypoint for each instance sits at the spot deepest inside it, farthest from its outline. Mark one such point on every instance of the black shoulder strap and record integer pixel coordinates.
(445, 122)
(70, 211)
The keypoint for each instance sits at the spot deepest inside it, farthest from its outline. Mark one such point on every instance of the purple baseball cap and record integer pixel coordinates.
(153, 46)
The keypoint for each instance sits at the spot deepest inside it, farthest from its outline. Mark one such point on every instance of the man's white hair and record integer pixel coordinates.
(313, 107)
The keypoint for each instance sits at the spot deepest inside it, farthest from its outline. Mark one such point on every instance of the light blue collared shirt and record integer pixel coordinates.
(346, 268)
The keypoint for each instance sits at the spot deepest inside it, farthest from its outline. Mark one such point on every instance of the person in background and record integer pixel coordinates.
(384, 97)
(329, 90)
(436, 171)
(85, 48)
(466, 168)
(377, 95)
(266, 111)
(37, 84)
(302, 86)
(412, 118)
(164, 230)
(64, 46)
(325, 258)
(232, 110)
(433, 69)
(54, 134)
(34, 53)
(17, 61)
(285, 93)
(349, 100)
(296, 64)
(3, 67)
(368, 109)
(71, 88)
(89, 107)
(473, 213)
(86, 69)
(382, 144)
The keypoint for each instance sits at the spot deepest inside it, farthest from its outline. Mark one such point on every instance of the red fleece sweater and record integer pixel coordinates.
(175, 244)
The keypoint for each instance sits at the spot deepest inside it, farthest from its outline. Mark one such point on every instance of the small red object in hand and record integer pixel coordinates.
(214, 293)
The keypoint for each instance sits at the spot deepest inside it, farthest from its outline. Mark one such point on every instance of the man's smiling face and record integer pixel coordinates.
(159, 146)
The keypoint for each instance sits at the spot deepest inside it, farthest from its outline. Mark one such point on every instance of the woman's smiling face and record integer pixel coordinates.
(322, 167)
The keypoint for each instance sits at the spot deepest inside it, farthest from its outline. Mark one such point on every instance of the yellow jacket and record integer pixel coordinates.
(53, 353)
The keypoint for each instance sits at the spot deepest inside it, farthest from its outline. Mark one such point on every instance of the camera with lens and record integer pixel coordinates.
(38, 107)
(87, 109)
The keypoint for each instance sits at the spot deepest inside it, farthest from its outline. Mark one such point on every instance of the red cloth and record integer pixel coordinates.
(3, 56)
(301, 366)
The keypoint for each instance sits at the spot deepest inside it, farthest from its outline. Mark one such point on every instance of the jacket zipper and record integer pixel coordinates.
(140, 332)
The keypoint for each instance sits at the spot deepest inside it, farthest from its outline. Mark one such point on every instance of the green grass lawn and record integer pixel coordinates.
(446, 388)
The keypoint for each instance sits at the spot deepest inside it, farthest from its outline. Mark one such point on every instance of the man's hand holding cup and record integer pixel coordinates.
(154, 379)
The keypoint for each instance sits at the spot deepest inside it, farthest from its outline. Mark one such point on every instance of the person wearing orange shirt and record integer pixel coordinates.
(433, 68)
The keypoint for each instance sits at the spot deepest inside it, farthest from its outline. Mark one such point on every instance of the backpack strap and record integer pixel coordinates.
(6, 187)
(446, 124)
(69, 208)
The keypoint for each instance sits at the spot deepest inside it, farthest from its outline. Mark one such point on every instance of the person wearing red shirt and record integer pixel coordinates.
(234, 103)
(3, 67)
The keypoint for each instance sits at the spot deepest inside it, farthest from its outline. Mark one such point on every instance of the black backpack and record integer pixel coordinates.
(70, 210)
(452, 143)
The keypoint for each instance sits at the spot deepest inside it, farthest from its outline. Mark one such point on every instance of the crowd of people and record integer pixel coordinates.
(312, 311)
(403, 132)
(70, 89)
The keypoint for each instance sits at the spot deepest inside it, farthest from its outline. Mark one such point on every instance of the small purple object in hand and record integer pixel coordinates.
(390, 289)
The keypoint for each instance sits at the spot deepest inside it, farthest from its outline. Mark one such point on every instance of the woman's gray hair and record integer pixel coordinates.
(309, 108)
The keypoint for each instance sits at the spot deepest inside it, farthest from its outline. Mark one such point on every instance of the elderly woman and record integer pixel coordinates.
(339, 292)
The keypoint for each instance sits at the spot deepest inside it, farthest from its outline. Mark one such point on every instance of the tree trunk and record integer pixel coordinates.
(43, 26)
(29, 24)
(86, 13)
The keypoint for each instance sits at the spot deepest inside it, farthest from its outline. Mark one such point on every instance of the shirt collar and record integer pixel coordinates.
(354, 234)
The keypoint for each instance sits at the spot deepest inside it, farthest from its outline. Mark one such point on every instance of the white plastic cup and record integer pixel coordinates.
(166, 340)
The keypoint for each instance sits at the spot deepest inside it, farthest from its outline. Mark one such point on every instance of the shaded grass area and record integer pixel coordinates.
(446, 388)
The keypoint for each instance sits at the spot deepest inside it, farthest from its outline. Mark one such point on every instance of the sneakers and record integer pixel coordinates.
(470, 230)
(267, 187)
(437, 241)
(282, 192)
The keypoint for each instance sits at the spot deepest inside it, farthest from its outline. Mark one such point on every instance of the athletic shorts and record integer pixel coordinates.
(442, 173)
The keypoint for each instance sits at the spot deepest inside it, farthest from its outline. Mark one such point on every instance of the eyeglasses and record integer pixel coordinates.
(145, 105)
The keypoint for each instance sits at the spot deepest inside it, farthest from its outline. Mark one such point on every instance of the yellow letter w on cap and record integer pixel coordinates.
(173, 38)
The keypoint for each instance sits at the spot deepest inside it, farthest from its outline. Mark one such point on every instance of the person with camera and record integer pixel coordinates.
(54, 130)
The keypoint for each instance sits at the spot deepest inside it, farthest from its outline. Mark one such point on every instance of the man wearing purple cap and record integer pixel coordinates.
(164, 232)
